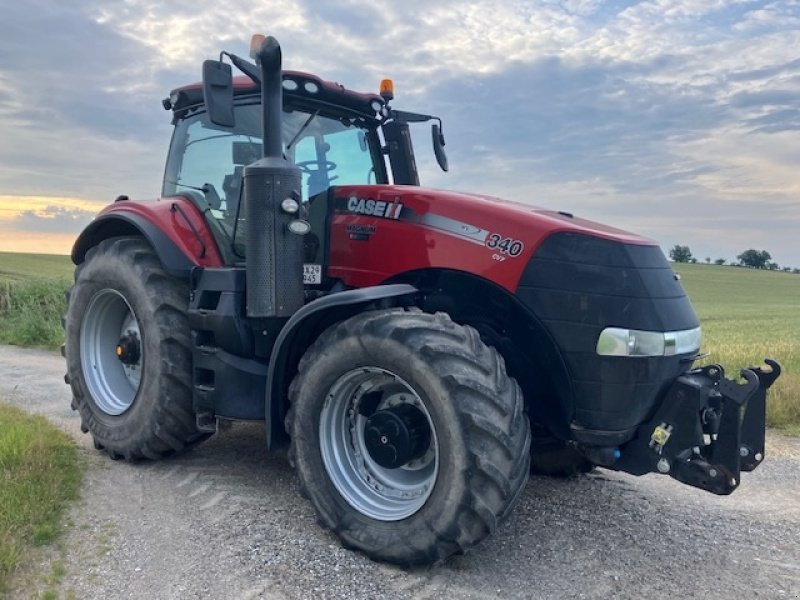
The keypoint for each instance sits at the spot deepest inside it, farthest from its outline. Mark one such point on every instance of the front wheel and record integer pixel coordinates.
(407, 434)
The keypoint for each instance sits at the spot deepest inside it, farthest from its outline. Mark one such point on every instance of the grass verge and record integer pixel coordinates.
(39, 474)
(31, 312)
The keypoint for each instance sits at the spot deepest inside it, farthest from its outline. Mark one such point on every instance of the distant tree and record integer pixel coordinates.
(796, 271)
(681, 254)
(708, 260)
(772, 266)
(719, 261)
(787, 269)
(754, 258)
(693, 260)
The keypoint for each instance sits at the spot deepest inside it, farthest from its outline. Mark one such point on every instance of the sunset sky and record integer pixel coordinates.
(676, 119)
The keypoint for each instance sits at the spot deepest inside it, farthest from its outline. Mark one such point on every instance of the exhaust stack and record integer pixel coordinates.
(274, 254)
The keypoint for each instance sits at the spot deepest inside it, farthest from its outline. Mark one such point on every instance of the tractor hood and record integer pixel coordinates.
(483, 235)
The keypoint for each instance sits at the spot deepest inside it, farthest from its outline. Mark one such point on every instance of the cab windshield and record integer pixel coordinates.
(206, 160)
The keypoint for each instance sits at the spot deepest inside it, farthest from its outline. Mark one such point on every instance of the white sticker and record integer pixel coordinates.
(312, 274)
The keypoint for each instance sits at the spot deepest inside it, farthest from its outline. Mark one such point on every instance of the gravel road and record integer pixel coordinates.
(226, 521)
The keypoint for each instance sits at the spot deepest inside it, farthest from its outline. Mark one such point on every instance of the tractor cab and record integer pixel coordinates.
(333, 135)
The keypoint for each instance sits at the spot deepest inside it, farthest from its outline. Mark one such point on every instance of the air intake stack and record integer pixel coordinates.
(274, 254)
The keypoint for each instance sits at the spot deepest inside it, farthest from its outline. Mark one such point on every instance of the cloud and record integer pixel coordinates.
(43, 224)
(666, 111)
(64, 128)
(53, 219)
(46, 214)
(776, 121)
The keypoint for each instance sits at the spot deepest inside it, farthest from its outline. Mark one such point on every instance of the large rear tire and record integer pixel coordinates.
(128, 352)
(408, 436)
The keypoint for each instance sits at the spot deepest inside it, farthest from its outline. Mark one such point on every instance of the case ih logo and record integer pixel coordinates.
(376, 208)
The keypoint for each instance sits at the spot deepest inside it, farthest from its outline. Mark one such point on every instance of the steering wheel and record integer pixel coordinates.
(323, 166)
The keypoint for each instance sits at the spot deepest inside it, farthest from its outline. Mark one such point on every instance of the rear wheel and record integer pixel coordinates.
(128, 352)
(408, 436)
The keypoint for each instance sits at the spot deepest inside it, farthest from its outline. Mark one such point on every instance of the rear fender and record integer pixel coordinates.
(174, 228)
(303, 329)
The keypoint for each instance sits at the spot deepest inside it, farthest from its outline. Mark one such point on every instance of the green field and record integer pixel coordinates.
(747, 315)
(16, 267)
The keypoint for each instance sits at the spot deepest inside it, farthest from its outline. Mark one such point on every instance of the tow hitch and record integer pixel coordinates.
(708, 429)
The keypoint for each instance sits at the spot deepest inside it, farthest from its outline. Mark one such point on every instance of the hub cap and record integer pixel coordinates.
(397, 435)
(378, 444)
(111, 352)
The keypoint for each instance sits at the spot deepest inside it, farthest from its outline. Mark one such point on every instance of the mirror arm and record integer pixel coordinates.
(245, 66)
(402, 116)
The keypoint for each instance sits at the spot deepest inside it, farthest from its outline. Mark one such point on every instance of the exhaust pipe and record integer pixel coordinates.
(274, 254)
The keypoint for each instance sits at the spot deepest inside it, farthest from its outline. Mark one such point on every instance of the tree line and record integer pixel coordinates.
(755, 259)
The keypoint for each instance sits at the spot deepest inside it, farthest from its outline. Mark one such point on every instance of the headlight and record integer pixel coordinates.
(615, 341)
(290, 206)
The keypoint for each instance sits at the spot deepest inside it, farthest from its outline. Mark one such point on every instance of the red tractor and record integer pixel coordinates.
(419, 351)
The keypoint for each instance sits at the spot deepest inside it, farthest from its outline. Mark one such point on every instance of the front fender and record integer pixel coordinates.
(300, 332)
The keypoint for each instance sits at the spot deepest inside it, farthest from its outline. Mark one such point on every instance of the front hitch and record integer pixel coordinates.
(707, 430)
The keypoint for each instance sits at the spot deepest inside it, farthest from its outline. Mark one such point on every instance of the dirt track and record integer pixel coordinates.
(225, 520)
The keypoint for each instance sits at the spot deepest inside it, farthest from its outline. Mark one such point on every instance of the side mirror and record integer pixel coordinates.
(218, 92)
(438, 146)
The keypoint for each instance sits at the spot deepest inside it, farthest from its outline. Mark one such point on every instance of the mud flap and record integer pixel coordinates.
(707, 430)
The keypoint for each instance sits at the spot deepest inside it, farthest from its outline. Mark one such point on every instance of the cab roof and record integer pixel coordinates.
(296, 85)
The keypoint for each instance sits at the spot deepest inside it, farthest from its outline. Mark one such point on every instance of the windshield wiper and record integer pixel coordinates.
(302, 129)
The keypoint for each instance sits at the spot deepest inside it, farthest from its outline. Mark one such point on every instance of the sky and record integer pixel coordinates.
(678, 120)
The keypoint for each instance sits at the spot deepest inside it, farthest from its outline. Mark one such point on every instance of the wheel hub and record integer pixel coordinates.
(397, 435)
(128, 349)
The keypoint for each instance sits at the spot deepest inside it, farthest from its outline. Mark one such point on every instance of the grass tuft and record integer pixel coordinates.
(39, 474)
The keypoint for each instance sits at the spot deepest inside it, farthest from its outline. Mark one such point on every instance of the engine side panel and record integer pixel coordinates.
(377, 232)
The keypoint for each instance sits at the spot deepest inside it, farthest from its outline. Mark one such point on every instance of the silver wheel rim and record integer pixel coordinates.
(112, 384)
(377, 492)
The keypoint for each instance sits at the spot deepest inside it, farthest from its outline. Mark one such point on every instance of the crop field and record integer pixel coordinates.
(17, 267)
(746, 314)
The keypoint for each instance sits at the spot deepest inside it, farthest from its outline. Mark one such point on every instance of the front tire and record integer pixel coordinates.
(128, 352)
(408, 436)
